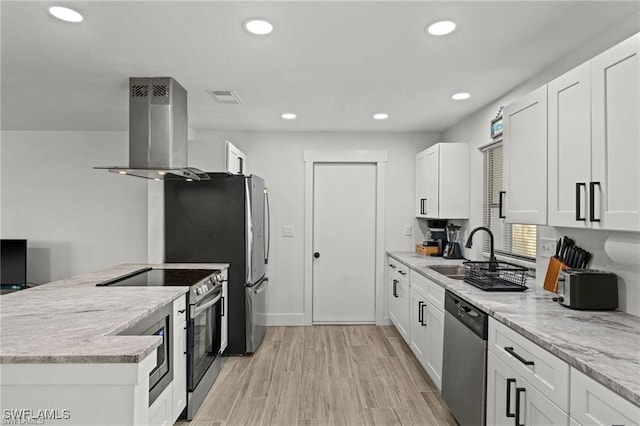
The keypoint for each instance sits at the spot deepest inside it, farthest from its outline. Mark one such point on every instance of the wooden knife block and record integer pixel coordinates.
(553, 272)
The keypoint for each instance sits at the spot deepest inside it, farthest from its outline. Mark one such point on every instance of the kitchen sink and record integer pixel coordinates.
(455, 272)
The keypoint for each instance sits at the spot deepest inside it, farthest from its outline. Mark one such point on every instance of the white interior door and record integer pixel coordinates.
(344, 242)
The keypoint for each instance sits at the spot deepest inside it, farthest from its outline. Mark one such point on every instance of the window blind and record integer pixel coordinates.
(513, 240)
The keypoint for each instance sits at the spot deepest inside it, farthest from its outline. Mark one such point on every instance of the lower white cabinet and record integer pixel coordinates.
(526, 385)
(426, 328)
(402, 311)
(593, 404)
(179, 357)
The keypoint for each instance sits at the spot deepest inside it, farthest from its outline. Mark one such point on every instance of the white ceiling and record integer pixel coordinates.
(335, 64)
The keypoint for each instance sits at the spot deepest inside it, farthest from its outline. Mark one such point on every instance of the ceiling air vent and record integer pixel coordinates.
(229, 97)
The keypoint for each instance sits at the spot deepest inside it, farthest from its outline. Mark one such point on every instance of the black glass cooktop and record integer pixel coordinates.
(149, 277)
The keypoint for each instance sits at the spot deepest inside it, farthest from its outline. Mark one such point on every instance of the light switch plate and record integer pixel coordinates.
(407, 230)
(287, 231)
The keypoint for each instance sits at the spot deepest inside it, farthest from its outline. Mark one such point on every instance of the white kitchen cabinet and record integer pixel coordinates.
(594, 155)
(399, 297)
(525, 160)
(615, 133)
(417, 326)
(593, 404)
(524, 379)
(179, 383)
(235, 160)
(427, 325)
(442, 181)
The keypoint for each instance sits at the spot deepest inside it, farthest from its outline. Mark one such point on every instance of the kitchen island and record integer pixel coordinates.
(61, 357)
(604, 345)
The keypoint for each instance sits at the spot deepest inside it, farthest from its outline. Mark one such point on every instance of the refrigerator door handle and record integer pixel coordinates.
(247, 215)
(262, 286)
(267, 227)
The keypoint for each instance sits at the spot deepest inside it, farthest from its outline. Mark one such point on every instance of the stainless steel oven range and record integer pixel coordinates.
(206, 328)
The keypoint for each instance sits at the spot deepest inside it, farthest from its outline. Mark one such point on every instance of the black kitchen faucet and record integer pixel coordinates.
(492, 257)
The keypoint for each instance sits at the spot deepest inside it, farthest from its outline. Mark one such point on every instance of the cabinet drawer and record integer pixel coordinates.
(543, 370)
(594, 404)
(431, 291)
(180, 310)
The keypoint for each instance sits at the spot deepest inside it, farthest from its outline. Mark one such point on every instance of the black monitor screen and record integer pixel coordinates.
(13, 262)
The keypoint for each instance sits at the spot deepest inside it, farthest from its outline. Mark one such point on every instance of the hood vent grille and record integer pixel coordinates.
(158, 131)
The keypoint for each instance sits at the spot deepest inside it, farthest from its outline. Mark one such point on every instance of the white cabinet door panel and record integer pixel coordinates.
(501, 385)
(434, 320)
(525, 159)
(432, 183)
(570, 147)
(615, 94)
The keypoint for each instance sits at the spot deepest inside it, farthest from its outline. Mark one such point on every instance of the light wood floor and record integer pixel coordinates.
(325, 375)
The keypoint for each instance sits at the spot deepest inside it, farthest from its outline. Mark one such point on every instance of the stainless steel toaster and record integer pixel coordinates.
(587, 289)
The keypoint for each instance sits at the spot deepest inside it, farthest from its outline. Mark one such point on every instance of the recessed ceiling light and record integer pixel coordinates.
(289, 116)
(122, 172)
(441, 28)
(380, 116)
(65, 14)
(258, 26)
(460, 96)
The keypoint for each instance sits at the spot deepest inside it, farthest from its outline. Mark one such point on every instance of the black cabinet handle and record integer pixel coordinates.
(517, 415)
(222, 305)
(578, 200)
(518, 357)
(316, 255)
(182, 311)
(420, 303)
(424, 323)
(392, 266)
(395, 288)
(402, 272)
(422, 203)
(509, 382)
(592, 201)
(501, 204)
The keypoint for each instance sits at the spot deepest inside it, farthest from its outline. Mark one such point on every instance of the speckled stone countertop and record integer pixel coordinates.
(604, 345)
(73, 321)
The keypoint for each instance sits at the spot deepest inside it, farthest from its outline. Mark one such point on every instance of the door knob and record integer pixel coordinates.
(316, 255)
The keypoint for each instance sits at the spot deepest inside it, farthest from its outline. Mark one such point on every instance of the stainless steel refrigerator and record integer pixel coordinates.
(225, 220)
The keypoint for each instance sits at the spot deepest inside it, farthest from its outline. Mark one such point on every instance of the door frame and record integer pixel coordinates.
(311, 157)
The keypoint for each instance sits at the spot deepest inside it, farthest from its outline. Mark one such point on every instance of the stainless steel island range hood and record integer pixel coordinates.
(158, 131)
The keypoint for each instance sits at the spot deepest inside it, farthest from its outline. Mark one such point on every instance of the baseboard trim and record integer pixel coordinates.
(286, 319)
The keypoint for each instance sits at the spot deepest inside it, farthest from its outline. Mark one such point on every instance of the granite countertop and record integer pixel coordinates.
(605, 345)
(73, 321)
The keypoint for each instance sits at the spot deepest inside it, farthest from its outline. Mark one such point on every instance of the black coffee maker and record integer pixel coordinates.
(437, 235)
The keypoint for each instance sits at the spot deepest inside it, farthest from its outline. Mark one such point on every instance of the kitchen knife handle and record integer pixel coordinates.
(518, 392)
(592, 201)
(501, 204)
(578, 200)
(509, 382)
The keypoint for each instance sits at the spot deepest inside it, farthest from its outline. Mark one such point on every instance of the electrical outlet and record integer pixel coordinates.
(547, 247)
(287, 231)
(407, 230)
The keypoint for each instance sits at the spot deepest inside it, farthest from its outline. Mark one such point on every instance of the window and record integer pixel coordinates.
(517, 241)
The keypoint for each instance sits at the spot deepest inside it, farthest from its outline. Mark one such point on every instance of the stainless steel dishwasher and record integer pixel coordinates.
(464, 360)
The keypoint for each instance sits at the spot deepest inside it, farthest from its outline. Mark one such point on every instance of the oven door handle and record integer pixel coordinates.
(200, 308)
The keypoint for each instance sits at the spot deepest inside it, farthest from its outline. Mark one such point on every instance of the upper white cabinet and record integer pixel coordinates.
(525, 159)
(442, 181)
(594, 148)
(234, 160)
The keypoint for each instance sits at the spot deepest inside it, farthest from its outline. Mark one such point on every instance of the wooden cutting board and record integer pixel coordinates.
(553, 271)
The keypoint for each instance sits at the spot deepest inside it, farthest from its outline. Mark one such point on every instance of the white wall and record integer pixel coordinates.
(76, 219)
(475, 130)
(278, 158)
